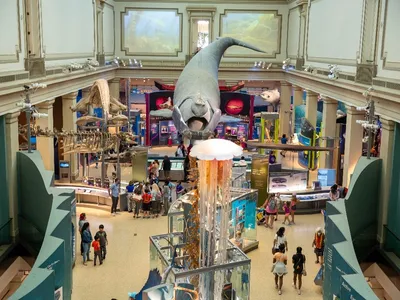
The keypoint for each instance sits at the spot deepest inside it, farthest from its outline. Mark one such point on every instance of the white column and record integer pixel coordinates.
(328, 131)
(284, 111)
(12, 138)
(114, 85)
(311, 108)
(386, 155)
(45, 145)
(69, 124)
(353, 142)
(303, 5)
(297, 101)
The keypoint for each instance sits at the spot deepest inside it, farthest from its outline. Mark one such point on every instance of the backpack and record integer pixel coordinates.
(272, 204)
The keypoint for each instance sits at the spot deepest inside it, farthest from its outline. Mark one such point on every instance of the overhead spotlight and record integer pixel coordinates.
(269, 66)
(309, 69)
(23, 105)
(286, 64)
(367, 92)
(361, 122)
(39, 115)
(261, 65)
(333, 72)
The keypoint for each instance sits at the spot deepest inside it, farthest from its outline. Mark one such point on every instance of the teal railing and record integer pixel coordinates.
(5, 229)
(392, 241)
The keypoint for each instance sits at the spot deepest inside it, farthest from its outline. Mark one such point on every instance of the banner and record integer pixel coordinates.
(259, 176)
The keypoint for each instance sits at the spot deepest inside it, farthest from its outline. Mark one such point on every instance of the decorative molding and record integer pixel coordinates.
(122, 34)
(279, 38)
(366, 73)
(115, 30)
(14, 58)
(297, 8)
(325, 60)
(387, 65)
(269, 2)
(66, 56)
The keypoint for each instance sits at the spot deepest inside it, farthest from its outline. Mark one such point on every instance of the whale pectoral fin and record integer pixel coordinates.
(214, 120)
(180, 124)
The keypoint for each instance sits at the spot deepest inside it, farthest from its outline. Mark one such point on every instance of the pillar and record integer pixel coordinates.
(284, 111)
(328, 132)
(353, 142)
(311, 108)
(297, 101)
(100, 56)
(386, 155)
(85, 94)
(12, 145)
(114, 85)
(69, 124)
(4, 202)
(45, 145)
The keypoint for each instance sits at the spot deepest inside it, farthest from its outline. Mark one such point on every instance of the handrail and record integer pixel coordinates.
(6, 223)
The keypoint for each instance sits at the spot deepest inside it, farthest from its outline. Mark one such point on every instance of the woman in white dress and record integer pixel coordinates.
(279, 267)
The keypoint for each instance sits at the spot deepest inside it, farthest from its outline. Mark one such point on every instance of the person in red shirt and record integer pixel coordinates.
(97, 251)
(146, 203)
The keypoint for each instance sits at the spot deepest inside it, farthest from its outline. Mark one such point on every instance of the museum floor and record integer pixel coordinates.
(127, 264)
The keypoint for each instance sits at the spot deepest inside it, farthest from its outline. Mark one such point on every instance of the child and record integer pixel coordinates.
(103, 241)
(146, 203)
(97, 251)
(286, 209)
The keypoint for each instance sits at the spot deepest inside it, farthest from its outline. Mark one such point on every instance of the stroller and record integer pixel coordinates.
(260, 216)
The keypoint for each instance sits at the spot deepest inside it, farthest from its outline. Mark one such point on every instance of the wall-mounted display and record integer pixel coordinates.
(287, 182)
(151, 32)
(261, 29)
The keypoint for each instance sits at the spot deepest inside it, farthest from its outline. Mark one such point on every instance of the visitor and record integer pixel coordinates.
(342, 192)
(299, 269)
(189, 148)
(279, 240)
(103, 241)
(186, 168)
(279, 205)
(129, 193)
(166, 196)
(155, 166)
(97, 251)
(155, 199)
(86, 241)
(319, 244)
(286, 210)
(146, 203)
(284, 141)
(137, 196)
(293, 208)
(82, 220)
(279, 267)
(179, 189)
(272, 158)
(180, 151)
(113, 191)
(271, 206)
(166, 166)
(239, 240)
(334, 193)
(242, 162)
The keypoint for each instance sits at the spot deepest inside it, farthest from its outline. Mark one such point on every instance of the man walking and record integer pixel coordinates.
(113, 191)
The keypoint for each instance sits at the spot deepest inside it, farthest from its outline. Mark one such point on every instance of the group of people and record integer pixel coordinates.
(99, 243)
(271, 208)
(280, 260)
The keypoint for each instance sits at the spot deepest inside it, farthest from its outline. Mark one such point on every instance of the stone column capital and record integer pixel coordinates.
(115, 80)
(387, 124)
(46, 104)
(297, 88)
(70, 96)
(351, 110)
(285, 83)
(328, 101)
(311, 93)
(12, 117)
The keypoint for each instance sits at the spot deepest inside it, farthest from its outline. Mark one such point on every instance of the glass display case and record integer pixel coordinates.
(242, 222)
(235, 273)
(310, 201)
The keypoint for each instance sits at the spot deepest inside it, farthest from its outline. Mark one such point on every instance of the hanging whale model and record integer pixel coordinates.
(197, 100)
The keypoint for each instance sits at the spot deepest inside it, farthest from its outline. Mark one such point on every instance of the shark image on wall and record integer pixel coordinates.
(196, 112)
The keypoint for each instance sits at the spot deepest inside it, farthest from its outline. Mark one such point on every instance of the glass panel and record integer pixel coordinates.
(203, 33)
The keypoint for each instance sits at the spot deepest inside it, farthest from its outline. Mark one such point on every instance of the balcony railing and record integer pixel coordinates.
(392, 242)
(5, 229)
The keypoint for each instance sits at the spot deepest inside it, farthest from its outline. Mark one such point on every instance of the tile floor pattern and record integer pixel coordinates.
(127, 264)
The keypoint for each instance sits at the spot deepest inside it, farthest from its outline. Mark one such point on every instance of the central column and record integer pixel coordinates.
(69, 124)
(215, 172)
(114, 85)
(12, 149)
(328, 132)
(45, 145)
(386, 155)
(297, 101)
(311, 108)
(284, 110)
(353, 142)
